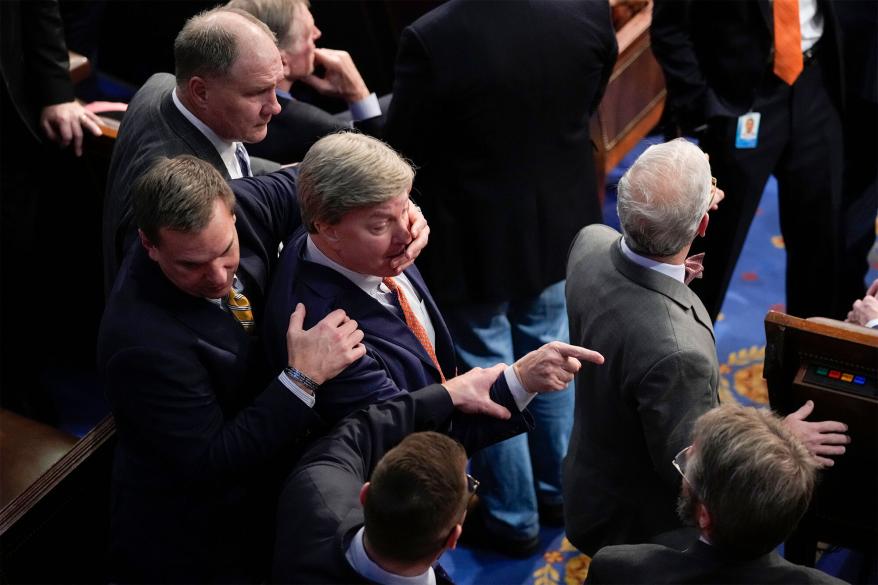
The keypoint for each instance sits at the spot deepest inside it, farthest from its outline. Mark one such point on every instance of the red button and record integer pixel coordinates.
(834, 374)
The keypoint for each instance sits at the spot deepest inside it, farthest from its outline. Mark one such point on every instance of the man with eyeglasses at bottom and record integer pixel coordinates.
(382, 496)
(747, 480)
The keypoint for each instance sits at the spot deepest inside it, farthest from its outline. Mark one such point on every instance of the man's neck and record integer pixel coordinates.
(676, 259)
(395, 567)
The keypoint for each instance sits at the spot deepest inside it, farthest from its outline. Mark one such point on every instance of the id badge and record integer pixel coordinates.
(748, 130)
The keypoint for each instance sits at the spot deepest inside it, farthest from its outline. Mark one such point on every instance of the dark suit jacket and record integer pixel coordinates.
(715, 55)
(198, 415)
(634, 413)
(319, 509)
(299, 125)
(395, 361)
(492, 101)
(153, 127)
(700, 563)
(34, 65)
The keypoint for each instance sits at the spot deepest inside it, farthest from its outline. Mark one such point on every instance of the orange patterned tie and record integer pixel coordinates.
(788, 62)
(413, 322)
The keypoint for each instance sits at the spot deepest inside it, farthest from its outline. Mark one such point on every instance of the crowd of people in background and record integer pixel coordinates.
(323, 332)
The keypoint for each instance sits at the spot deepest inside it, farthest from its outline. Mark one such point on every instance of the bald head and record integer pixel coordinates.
(663, 197)
(211, 42)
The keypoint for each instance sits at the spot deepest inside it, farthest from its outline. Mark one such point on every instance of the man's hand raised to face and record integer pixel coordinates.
(323, 351)
(420, 235)
(553, 366)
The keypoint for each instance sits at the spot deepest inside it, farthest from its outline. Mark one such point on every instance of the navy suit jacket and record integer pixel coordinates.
(199, 418)
(395, 361)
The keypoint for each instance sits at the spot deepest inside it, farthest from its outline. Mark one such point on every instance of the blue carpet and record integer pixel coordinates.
(756, 287)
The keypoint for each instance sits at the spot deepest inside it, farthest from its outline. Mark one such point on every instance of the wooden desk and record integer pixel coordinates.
(634, 100)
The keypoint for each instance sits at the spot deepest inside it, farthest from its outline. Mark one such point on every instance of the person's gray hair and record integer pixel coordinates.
(278, 15)
(206, 47)
(347, 171)
(178, 194)
(663, 196)
(753, 475)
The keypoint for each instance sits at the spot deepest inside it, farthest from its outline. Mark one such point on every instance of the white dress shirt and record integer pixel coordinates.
(675, 271)
(366, 567)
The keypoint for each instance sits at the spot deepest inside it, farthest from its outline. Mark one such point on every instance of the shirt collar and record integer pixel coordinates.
(359, 559)
(675, 271)
(284, 94)
(367, 282)
(224, 148)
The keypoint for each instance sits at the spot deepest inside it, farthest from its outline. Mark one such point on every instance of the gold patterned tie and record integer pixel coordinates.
(412, 321)
(240, 308)
(788, 61)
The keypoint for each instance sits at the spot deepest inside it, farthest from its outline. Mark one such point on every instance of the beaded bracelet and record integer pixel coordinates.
(300, 378)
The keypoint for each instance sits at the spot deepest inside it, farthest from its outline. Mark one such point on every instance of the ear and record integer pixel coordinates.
(453, 537)
(285, 61)
(327, 231)
(702, 225)
(363, 491)
(196, 87)
(702, 517)
(150, 248)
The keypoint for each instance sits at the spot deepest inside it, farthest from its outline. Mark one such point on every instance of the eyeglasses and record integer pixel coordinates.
(680, 461)
(472, 485)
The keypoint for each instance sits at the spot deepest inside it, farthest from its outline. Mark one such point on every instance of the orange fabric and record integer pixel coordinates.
(412, 321)
(239, 307)
(788, 63)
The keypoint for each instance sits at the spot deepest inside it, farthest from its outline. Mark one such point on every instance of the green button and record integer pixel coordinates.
(822, 371)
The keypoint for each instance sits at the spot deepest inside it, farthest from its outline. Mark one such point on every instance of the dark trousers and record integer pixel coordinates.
(800, 143)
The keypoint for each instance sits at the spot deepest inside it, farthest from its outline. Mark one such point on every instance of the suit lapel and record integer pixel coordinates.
(192, 136)
(373, 318)
(662, 284)
(444, 346)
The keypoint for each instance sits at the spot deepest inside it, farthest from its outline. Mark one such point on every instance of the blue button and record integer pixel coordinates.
(859, 380)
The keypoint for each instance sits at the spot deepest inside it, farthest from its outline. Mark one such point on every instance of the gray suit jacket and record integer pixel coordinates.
(699, 563)
(635, 412)
(152, 127)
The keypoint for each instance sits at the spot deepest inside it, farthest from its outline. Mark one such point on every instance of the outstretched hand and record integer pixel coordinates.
(822, 439)
(323, 351)
(552, 367)
(64, 123)
(471, 392)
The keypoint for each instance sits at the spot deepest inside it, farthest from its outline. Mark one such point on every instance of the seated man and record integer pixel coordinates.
(299, 124)
(377, 500)
(354, 199)
(747, 480)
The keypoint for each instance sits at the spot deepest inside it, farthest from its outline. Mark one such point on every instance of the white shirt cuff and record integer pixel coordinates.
(366, 108)
(521, 396)
(872, 324)
(305, 397)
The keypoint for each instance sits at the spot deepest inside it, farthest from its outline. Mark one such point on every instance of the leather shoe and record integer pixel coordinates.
(477, 535)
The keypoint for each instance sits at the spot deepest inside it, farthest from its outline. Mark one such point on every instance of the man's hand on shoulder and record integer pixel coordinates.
(553, 366)
(342, 78)
(822, 439)
(323, 351)
(471, 392)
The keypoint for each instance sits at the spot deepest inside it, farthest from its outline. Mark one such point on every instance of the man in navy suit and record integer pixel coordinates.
(354, 197)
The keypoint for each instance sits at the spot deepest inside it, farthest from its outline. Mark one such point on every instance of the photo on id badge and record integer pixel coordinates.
(748, 130)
